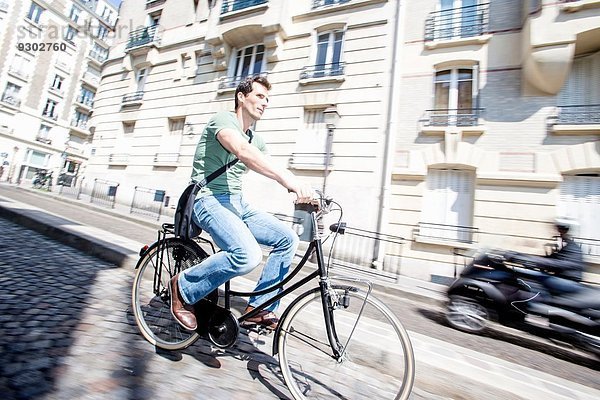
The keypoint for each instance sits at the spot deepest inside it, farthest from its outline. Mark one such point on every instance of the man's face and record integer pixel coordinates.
(255, 103)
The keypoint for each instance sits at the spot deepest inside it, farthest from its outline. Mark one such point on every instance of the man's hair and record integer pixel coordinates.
(245, 86)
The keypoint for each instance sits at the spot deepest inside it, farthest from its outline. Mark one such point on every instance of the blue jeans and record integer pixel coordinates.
(237, 229)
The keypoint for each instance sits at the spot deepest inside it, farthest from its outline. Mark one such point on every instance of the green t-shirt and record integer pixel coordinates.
(211, 155)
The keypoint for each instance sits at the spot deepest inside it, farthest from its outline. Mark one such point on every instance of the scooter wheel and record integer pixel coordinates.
(467, 315)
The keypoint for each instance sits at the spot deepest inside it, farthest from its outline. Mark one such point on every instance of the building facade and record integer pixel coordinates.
(52, 53)
(463, 123)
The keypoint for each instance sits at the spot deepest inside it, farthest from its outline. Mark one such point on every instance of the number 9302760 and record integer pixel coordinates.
(41, 46)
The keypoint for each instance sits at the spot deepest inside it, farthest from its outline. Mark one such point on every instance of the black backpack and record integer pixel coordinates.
(184, 227)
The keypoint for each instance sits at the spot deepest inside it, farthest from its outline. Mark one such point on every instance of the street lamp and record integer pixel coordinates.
(331, 117)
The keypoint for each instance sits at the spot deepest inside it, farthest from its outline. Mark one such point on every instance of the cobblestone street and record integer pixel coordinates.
(66, 331)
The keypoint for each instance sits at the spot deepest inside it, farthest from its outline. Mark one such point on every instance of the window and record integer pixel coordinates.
(248, 61)
(50, 109)
(86, 97)
(580, 200)
(313, 143)
(70, 34)
(235, 5)
(74, 14)
(176, 126)
(44, 134)
(448, 205)
(154, 18)
(99, 53)
(455, 98)
(20, 66)
(80, 119)
(35, 12)
(140, 79)
(329, 53)
(458, 19)
(57, 83)
(579, 98)
(11, 94)
(102, 32)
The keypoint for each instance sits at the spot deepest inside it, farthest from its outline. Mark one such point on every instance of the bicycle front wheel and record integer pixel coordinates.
(150, 294)
(377, 361)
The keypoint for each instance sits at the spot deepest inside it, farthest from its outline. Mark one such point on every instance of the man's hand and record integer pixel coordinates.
(304, 193)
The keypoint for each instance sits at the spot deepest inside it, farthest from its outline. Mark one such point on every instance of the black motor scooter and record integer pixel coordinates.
(500, 287)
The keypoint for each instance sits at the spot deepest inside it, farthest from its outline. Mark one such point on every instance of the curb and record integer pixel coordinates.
(46, 224)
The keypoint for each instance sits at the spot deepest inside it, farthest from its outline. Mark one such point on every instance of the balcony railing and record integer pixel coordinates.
(589, 247)
(166, 158)
(322, 70)
(43, 139)
(118, 158)
(154, 3)
(311, 160)
(325, 3)
(12, 101)
(50, 115)
(142, 37)
(578, 114)
(133, 97)
(452, 117)
(236, 5)
(450, 233)
(19, 72)
(86, 101)
(231, 82)
(457, 23)
(98, 56)
(78, 123)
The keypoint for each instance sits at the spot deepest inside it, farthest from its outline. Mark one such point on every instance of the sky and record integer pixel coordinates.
(115, 3)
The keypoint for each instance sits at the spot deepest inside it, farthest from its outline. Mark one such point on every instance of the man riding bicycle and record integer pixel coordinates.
(220, 209)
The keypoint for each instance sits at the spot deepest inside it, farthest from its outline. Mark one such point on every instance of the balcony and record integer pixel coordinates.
(323, 73)
(19, 73)
(462, 25)
(166, 159)
(86, 102)
(133, 98)
(576, 5)
(428, 232)
(118, 159)
(311, 161)
(50, 115)
(80, 124)
(324, 3)
(91, 79)
(154, 3)
(97, 56)
(229, 83)
(452, 117)
(583, 119)
(143, 37)
(237, 5)
(12, 101)
(43, 139)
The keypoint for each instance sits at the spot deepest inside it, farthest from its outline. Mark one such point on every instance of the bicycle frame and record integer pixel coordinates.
(320, 272)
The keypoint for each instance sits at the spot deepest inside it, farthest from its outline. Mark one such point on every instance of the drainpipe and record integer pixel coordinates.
(391, 129)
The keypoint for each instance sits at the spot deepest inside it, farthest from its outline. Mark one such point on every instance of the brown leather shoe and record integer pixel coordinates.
(182, 312)
(264, 318)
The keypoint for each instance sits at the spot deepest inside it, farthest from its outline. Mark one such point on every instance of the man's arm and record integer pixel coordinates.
(254, 159)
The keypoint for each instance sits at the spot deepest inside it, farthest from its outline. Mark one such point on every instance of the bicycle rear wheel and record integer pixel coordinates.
(378, 360)
(150, 294)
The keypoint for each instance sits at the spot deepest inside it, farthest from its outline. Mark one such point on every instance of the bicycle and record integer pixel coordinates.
(335, 340)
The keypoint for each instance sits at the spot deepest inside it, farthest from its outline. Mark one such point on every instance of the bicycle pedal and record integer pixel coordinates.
(259, 329)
